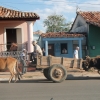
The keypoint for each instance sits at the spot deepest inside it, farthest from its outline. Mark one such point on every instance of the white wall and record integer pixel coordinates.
(80, 25)
(19, 38)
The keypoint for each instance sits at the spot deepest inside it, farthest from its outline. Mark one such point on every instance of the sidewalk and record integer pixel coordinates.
(4, 76)
(27, 76)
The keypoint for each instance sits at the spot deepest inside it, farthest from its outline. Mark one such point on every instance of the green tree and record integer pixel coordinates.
(56, 23)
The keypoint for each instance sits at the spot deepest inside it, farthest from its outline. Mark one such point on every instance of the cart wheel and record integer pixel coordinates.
(45, 72)
(57, 73)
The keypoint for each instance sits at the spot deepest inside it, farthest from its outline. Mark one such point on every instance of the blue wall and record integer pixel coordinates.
(57, 48)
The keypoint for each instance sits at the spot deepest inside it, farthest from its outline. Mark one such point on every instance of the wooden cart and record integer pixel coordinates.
(55, 68)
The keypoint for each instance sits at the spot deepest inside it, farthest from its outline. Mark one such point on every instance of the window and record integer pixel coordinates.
(64, 48)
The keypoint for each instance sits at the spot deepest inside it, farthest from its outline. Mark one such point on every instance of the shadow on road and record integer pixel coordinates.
(69, 77)
(30, 81)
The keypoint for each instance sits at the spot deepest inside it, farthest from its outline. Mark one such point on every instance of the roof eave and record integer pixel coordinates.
(17, 19)
(73, 22)
(92, 24)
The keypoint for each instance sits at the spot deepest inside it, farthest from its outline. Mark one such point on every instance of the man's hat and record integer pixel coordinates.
(34, 42)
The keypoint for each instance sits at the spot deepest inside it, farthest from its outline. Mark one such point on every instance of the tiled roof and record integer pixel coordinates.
(62, 35)
(91, 17)
(13, 14)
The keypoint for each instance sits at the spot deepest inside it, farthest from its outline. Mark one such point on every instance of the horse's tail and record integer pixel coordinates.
(18, 71)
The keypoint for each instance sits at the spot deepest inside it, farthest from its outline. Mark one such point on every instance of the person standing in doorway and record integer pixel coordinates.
(64, 51)
(76, 52)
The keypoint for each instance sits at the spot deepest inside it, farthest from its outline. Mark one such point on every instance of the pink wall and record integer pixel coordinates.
(13, 24)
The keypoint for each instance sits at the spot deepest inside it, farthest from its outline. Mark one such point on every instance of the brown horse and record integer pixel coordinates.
(11, 64)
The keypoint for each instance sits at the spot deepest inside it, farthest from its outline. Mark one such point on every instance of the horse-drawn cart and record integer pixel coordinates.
(55, 68)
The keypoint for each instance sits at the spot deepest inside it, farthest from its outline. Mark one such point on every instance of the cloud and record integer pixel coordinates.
(58, 8)
(55, 5)
(72, 19)
(61, 8)
(90, 5)
(67, 8)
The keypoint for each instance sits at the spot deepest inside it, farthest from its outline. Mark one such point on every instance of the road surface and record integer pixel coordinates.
(41, 89)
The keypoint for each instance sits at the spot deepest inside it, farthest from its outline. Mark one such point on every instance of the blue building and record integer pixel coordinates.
(54, 43)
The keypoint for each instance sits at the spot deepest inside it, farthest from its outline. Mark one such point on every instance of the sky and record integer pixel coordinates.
(44, 8)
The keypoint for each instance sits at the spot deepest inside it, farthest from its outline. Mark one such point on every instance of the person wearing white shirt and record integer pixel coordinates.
(37, 51)
(64, 51)
(76, 53)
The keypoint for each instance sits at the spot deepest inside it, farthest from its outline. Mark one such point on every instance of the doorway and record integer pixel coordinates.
(10, 37)
(51, 49)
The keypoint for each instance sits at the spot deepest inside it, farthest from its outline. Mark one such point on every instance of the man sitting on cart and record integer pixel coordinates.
(37, 51)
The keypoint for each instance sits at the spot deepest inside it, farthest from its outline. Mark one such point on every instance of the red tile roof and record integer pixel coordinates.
(62, 35)
(91, 17)
(13, 14)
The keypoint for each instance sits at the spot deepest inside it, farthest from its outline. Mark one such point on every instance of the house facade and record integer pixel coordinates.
(89, 22)
(16, 26)
(56, 43)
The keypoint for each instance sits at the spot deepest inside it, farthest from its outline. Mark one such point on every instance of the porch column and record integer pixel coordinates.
(30, 36)
(46, 48)
(80, 49)
(5, 41)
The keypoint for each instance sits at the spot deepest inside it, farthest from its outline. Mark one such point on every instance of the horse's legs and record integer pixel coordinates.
(11, 77)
